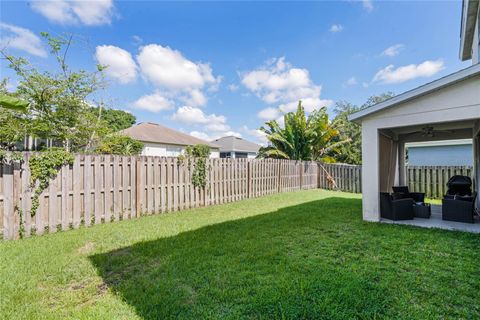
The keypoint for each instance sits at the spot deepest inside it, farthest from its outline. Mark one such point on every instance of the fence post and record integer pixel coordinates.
(138, 186)
(249, 179)
(279, 176)
(301, 175)
(8, 205)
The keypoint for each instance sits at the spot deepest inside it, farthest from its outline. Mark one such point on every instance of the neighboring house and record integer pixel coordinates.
(162, 141)
(234, 147)
(445, 109)
(440, 153)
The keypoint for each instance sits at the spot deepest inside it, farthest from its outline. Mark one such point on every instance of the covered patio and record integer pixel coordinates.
(445, 109)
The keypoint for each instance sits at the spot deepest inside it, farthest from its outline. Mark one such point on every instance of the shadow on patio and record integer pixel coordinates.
(315, 260)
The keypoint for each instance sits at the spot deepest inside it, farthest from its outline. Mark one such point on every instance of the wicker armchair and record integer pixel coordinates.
(395, 209)
(405, 193)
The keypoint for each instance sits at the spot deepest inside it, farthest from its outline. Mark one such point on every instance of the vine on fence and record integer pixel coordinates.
(43, 167)
(200, 154)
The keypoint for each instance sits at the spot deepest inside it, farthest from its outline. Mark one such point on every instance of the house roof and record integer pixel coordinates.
(232, 143)
(441, 143)
(156, 133)
(467, 29)
(418, 92)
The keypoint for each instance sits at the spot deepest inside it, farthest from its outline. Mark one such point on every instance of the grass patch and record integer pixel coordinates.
(295, 255)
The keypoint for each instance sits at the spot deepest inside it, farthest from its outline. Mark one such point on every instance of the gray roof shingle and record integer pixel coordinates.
(232, 143)
(156, 133)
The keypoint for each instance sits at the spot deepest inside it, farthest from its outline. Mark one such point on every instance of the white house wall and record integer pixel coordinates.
(458, 102)
(169, 150)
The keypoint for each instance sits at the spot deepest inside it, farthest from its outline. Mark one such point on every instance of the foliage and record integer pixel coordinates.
(298, 255)
(120, 145)
(199, 153)
(12, 103)
(58, 106)
(351, 132)
(116, 120)
(302, 137)
(43, 167)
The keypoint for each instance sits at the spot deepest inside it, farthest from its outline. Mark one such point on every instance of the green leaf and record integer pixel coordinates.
(13, 103)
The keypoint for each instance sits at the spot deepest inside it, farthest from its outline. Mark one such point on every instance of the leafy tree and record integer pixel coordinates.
(120, 145)
(57, 100)
(302, 137)
(351, 132)
(114, 119)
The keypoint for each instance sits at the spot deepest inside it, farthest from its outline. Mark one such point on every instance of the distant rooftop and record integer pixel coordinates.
(232, 143)
(156, 133)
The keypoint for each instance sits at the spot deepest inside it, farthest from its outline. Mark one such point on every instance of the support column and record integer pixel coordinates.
(402, 181)
(370, 174)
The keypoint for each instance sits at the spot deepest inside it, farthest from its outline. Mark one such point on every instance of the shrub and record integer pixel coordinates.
(120, 145)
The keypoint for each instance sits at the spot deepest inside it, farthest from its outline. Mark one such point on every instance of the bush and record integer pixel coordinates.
(120, 145)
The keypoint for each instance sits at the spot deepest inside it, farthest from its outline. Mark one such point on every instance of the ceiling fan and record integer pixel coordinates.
(429, 132)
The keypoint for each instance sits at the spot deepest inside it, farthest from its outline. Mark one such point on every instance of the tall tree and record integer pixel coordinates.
(58, 106)
(351, 132)
(302, 137)
(116, 119)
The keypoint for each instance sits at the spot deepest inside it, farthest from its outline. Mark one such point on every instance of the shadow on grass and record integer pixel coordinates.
(314, 260)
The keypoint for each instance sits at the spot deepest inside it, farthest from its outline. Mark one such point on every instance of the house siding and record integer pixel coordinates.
(169, 150)
(453, 155)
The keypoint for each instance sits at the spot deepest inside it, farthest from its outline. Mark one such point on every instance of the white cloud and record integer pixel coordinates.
(390, 74)
(351, 81)
(154, 102)
(22, 39)
(309, 104)
(367, 5)
(137, 39)
(268, 113)
(336, 28)
(168, 68)
(209, 137)
(195, 98)
(258, 136)
(192, 115)
(120, 64)
(170, 71)
(278, 82)
(393, 51)
(90, 13)
(232, 87)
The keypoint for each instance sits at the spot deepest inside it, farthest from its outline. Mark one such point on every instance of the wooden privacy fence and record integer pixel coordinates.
(103, 188)
(432, 180)
(339, 176)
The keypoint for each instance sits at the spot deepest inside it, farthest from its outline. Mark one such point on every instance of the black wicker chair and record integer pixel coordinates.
(393, 208)
(405, 193)
(459, 202)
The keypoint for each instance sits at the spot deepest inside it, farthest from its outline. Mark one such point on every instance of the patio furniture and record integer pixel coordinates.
(423, 210)
(418, 197)
(459, 202)
(394, 208)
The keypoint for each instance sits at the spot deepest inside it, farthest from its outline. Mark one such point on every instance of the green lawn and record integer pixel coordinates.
(294, 255)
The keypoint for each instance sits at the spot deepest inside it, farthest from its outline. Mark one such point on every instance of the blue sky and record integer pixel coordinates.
(217, 68)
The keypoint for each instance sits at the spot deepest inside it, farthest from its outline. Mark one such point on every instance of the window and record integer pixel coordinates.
(225, 155)
(174, 151)
(241, 155)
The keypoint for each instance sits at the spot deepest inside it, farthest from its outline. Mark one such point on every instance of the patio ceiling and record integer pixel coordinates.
(434, 131)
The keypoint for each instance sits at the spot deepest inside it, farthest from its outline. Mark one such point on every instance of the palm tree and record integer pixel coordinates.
(302, 137)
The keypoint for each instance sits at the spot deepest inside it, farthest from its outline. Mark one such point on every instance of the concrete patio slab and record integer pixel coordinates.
(436, 221)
